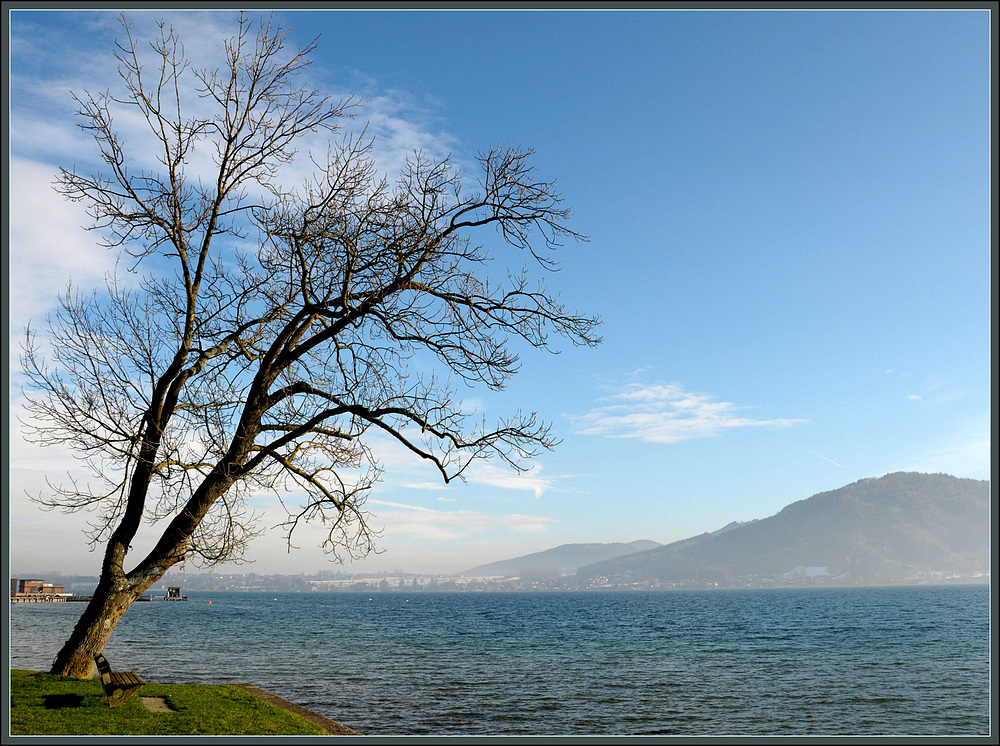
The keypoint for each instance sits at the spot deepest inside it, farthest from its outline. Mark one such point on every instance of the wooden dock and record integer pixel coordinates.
(39, 598)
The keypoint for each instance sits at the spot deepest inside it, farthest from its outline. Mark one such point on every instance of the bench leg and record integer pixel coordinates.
(121, 696)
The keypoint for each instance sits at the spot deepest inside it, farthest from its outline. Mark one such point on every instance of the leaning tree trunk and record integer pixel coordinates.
(110, 602)
(117, 590)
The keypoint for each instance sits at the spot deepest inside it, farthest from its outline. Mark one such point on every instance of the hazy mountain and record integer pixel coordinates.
(902, 526)
(561, 560)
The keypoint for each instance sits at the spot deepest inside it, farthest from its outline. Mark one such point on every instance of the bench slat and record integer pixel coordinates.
(128, 679)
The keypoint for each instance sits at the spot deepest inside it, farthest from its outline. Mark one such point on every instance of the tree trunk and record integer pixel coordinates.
(92, 632)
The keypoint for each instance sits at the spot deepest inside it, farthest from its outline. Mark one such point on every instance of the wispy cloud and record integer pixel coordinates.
(500, 476)
(423, 485)
(407, 472)
(503, 477)
(423, 522)
(666, 413)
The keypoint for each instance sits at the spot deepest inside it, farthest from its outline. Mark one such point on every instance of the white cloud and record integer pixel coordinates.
(403, 470)
(503, 477)
(401, 126)
(56, 458)
(666, 413)
(47, 244)
(424, 486)
(417, 521)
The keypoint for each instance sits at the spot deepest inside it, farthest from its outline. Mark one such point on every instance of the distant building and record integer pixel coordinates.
(28, 587)
(174, 594)
(25, 589)
(802, 572)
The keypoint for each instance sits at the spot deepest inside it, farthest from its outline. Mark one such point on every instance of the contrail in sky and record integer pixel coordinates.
(827, 459)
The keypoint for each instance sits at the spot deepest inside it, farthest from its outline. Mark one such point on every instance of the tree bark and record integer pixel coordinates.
(110, 602)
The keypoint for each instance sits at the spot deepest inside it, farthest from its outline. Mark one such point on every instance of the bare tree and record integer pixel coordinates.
(272, 333)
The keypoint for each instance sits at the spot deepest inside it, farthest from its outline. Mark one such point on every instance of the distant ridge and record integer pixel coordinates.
(561, 560)
(732, 525)
(897, 528)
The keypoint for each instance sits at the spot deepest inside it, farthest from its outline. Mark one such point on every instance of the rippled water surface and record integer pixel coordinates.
(809, 661)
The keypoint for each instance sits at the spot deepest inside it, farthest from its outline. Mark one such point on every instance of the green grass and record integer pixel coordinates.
(42, 704)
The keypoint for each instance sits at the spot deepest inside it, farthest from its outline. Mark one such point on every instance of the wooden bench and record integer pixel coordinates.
(118, 685)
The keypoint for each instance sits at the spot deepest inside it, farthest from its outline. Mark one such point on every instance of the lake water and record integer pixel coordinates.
(874, 661)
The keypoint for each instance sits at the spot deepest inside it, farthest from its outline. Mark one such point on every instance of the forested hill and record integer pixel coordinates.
(897, 528)
(561, 560)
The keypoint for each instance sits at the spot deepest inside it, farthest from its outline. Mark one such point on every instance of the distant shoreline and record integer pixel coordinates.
(509, 585)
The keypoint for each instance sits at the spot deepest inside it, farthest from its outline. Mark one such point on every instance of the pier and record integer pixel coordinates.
(31, 591)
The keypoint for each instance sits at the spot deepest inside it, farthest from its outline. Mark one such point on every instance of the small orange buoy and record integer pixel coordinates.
(210, 602)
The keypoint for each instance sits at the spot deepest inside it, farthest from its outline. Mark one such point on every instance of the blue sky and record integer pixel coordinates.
(789, 246)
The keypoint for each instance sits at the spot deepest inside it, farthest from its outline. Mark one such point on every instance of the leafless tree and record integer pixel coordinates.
(274, 332)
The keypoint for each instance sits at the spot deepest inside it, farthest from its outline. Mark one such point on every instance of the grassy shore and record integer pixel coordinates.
(42, 704)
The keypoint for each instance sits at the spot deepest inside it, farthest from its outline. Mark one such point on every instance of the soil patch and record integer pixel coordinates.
(156, 704)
